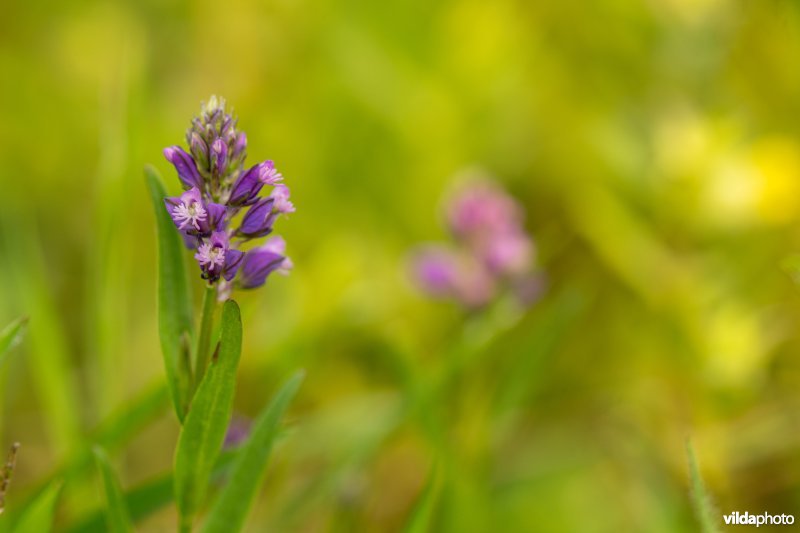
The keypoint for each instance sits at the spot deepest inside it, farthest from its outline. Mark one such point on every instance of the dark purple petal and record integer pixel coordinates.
(258, 220)
(246, 187)
(219, 239)
(216, 218)
(190, 241)
(257, 264)
(184, 164)
(233, 260)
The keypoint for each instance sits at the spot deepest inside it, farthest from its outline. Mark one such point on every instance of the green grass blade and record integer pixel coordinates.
(11, 336)
(148, 497)
(174, 300)
(117, 430)
(703, 506)
(47, 347)
(204, 429)
(38, 518)
(422, 516)
(117, 516)
(230, 510)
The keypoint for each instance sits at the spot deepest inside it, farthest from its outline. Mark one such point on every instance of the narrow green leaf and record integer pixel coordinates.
(117, 516)
(703, 506)
(48, 353)
(230, 510)
(204, 429)
(148, 497)
(38, 518)
(11, 335)
(118, 429)
(174, 300)
(421, 517)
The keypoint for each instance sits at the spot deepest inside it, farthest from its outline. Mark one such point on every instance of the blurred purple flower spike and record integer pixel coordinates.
(490, 249)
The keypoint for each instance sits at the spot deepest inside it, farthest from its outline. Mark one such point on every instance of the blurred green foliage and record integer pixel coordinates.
(654, 144)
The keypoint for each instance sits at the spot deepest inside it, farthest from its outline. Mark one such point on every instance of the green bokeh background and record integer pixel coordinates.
(654, 144)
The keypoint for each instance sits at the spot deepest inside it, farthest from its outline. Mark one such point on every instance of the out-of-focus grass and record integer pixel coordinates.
(654, 145)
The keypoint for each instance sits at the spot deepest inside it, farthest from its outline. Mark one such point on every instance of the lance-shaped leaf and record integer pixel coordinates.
(11, 335)
(204, 429)
(230, 510)
(174, 301)
(421, 519)
(39, 516)
(117, 516)
(707, 515)
(148, 497)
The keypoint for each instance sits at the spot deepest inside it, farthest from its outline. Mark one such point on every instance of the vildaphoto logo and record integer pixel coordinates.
(747, 519)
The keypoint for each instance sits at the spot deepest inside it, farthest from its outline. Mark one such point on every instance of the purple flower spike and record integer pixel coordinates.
(268, 174)
(281, 196)
(259, 263)
(218, 186)
(258, 220)
(219, 156)
(187, 211)
(184, 164)
(246, 188)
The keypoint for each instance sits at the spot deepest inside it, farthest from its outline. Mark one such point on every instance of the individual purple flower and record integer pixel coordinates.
(280, 194)
(185, 165)
(258, 220)
(192, 216)
(188, 211)
(268, 174)
(247, 186)
(260, 262)
(216, 258)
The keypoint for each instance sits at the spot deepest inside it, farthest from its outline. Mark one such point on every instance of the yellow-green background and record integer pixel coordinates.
(654, 144)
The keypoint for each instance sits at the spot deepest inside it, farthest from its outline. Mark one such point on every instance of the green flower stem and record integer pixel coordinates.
(204, 338)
